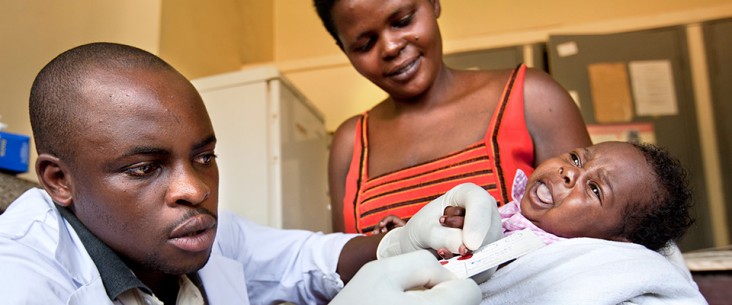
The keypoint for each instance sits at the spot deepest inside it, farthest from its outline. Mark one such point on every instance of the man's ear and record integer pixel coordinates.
(54, 176)
(436, 5)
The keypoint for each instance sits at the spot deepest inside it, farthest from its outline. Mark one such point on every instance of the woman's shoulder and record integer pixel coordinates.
(538, 86)
(343, 139)
(484, 76)
(549, 112)
(541, 90)
(533, 77)
(347, 127)
(540, 79)
(487, 84)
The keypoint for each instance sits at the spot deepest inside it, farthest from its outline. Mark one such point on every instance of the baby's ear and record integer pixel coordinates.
(54, 178)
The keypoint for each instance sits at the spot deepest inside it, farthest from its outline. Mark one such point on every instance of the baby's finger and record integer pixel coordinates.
(387, 223)
(444, 253)
(454, 211)
(452, 221)
(378, 230)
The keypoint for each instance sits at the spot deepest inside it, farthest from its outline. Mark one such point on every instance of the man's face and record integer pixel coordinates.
(143, 175)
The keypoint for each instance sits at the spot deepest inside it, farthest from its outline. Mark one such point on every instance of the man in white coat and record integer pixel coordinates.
(128, 211)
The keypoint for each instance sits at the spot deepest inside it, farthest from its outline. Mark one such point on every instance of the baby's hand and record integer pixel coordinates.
(453, 217)
(388, 223)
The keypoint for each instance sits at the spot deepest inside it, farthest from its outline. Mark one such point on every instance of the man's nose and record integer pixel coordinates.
(187, 187)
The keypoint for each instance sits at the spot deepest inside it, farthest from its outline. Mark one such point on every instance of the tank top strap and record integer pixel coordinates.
(508, 137)
(357, 174)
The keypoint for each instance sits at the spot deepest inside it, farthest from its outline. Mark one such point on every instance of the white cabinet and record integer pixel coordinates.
(272, 149)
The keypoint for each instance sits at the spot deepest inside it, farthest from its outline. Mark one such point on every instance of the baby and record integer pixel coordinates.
(616, 191)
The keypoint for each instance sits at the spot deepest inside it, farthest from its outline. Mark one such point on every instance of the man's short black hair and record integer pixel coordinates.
(54, 111)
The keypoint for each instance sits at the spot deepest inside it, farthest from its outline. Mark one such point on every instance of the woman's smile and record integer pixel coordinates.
(405, 71)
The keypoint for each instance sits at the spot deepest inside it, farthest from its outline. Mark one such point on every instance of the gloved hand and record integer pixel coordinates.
(387, 281)
(482, 224)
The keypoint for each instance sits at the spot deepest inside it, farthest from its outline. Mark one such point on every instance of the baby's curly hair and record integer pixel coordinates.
(666, 218)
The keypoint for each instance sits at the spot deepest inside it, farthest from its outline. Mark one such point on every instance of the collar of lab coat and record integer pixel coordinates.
(69, 253)
(223, 278)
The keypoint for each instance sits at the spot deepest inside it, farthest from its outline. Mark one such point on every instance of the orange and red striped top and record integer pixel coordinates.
(490, 163)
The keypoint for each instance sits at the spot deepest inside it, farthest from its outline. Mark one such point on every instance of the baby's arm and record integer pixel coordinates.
(387, 223)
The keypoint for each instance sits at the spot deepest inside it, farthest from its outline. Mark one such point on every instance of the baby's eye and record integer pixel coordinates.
(575, 159)
(595, 190)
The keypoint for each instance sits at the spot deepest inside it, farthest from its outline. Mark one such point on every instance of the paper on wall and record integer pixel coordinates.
(653, 87)
(567, 49)
(611, 97)
(637, 132)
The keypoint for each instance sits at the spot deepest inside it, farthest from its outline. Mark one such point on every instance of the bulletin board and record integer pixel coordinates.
(718, 44)
(638, 80)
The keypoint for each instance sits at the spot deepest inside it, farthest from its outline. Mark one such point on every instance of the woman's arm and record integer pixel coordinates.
(339, 160)
(553, 119)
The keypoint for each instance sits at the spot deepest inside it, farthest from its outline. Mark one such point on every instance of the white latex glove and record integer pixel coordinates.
(482, 224)
(385, 282)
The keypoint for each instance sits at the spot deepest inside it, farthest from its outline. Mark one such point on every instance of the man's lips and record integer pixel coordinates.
(195, 234)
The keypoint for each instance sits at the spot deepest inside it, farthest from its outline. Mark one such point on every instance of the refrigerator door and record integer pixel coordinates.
(305, 201)
(272, 149)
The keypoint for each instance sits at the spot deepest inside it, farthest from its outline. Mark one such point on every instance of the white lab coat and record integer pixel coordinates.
(43, 261)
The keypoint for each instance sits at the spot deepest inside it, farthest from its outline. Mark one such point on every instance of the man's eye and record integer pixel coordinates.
(206, 159)
(142, 170)
(575, 159)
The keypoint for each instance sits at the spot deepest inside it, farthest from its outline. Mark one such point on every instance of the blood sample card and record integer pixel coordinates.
(493, 254)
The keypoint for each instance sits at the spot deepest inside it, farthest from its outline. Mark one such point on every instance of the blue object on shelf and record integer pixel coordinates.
(14, 152)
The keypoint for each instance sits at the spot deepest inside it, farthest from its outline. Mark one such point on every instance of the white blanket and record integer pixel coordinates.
(591, 271)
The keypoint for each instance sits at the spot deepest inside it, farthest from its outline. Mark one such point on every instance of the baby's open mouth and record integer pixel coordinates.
(544, 194)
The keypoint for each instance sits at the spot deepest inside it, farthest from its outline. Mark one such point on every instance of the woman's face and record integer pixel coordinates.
(396, 44)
